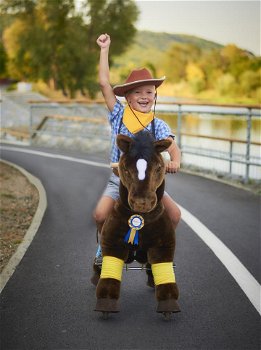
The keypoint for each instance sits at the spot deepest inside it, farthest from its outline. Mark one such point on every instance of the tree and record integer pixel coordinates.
(249, 82)
(48, 40)
(195, 77)
(177, 58)
(116, 17)
(226, 85)
(3, 60)
(237, 60)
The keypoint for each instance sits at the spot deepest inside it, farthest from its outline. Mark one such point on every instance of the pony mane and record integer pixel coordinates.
(143, 146)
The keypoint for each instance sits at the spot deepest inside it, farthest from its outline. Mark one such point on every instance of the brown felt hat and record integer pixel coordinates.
(137, 77)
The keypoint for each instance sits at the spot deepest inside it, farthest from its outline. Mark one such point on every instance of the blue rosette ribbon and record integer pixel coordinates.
(136, 222)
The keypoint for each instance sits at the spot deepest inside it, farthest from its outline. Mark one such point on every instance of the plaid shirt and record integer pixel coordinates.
(162, 130)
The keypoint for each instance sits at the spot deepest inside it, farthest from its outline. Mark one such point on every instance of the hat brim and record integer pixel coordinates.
(121, 90)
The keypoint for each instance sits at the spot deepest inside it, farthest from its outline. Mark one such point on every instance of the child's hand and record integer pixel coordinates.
(104, 41)
(172, 167)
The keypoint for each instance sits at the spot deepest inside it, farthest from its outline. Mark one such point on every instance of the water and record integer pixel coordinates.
(224, 126)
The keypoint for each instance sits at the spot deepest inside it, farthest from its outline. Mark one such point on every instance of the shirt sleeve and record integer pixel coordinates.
(162, 130)
(114, 117)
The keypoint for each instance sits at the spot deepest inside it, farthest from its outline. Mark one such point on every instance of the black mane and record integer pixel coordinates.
(143, 146)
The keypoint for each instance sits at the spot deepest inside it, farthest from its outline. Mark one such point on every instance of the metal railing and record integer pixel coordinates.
(180, 109)
(248, 111)
(45, 117)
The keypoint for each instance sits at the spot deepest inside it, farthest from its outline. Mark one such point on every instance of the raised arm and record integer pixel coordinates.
(104, 42)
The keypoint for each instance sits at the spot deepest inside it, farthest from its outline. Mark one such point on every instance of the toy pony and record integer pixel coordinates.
(138, 226)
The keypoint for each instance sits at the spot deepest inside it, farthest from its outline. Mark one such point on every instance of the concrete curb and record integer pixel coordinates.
(31, 232)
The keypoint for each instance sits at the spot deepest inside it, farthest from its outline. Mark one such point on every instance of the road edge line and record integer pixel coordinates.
(238, 271)
(15, 259)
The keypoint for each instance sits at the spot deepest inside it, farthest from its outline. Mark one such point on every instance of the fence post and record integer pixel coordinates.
(31, 126)
(179, 125)
(249, 120)
(230, 156)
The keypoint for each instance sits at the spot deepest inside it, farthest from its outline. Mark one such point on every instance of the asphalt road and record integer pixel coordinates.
(48, 302)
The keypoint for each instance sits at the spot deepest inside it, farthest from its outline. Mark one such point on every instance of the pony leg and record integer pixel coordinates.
(150, 280)
(108, 288)
(165, 287)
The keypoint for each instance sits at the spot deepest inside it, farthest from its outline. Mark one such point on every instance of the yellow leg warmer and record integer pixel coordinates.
(163, 273)
(112, 267)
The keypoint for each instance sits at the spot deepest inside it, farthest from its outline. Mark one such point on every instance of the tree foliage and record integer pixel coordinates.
(3, 60)
(177, 58)
(48, 40)
(229, 70)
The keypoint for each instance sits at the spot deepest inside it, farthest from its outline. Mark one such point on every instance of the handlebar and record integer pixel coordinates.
(165, 156)
(114, 167)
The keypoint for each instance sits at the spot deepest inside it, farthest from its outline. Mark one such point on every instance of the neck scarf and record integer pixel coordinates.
(132, 123)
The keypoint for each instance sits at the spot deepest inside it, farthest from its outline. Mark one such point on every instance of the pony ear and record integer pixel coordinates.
(162, 145)
(124, 142)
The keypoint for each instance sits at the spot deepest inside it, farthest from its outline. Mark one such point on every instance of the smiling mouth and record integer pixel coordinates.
(143, 104)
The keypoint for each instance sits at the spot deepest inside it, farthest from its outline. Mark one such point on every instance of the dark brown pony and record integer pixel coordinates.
(139, 226)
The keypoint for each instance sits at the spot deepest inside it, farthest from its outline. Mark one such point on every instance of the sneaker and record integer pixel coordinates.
(98, 257)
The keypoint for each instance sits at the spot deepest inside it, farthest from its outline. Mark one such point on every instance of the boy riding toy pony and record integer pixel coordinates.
(139, 223)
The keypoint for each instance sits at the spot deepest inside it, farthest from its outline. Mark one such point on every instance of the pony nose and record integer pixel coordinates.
(142, 205)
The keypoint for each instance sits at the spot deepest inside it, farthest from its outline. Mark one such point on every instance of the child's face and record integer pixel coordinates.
(142, 98)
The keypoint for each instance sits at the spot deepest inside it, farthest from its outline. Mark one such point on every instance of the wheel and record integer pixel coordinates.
(105, 315)
(167, 315)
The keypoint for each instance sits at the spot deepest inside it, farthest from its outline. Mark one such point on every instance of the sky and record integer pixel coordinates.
(225, 22)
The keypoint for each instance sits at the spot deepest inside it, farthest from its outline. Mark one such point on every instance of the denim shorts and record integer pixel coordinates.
(112, 188)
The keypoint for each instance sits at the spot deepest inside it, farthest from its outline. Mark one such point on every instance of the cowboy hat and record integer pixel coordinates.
(137, 77)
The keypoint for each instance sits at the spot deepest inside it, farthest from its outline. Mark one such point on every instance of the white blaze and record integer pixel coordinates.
(141, 167)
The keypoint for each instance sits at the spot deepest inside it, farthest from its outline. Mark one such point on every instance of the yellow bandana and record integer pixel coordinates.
(132, 123)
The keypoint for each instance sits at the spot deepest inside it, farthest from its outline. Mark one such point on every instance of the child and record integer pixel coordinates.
(139, 91)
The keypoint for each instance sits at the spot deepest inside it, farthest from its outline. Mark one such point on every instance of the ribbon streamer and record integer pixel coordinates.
(136, 222)
(132, 236)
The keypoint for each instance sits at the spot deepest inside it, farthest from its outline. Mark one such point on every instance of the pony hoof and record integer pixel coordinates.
(167, 316)
(169, 305)
(106, 305)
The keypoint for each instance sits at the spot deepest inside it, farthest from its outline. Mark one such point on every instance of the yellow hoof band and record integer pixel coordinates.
(163, 273)
(112, 267)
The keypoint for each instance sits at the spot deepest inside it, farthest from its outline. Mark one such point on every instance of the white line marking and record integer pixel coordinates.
(56, 156)
(242, 276)
(10, 267)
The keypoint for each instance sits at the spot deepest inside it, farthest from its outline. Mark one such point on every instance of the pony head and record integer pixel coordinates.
(142, 169)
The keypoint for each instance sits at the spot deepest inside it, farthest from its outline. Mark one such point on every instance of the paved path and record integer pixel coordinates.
(48, 303)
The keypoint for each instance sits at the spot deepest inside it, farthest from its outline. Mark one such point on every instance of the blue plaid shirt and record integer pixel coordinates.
(162, 130)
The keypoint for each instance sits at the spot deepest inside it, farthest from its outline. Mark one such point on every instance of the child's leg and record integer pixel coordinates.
(100, 214)
(102, 210)
(172, 209)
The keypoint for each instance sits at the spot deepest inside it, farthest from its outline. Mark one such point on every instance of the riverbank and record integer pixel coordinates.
(19, 201)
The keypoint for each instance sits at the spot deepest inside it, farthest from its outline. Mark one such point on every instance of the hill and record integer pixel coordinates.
(149, 47)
